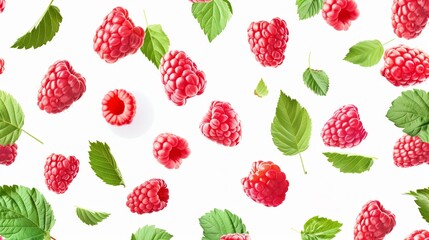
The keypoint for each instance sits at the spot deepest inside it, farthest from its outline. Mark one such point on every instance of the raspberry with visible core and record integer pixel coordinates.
(405, 66)
(268, 41)
(119, 107)
(374, 222)
(8, 154)
(344, 129)
(408, 18)
(340, 13)
(410, 151)
(418, 235)
(150, 196)
(117, 36)
(266, 184)
(60, 88)
(235, 236)
(2, 5)
(60, 172)
(170, 150)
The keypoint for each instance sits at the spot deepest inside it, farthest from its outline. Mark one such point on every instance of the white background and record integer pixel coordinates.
(210, 177)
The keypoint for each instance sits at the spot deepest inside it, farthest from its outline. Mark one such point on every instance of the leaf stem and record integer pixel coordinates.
(302, 164)
(32, 136)
(389, 41)
(293, 229)
(52, 1)
(53, 238)
(145, 18)
(309, 54)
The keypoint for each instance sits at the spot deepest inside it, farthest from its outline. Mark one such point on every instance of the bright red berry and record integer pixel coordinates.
(170, 150)
(408, 18)
(268, 41)
(117, 36)
(60, 88)
(60, 172)
(410, 151)
(418, 235)
(374, 222)
(1, 64)
(119, 107)
(151, 196)
(181, 77)
(340, 13)
(266, 184)
(405, 66)
(235, 236)
(2, 5)
(221, 124)
(344, 129)
(8, 154)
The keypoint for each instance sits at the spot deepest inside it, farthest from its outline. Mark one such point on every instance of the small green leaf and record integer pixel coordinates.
(320, 228)
(155, 44)
(261, 90)
(24, 214)
(348, 163)
(43, 31)
(150, 232)
(366, 53)
(317, 81)
(308, 8)
(410, 111)
(422, 201)
(218, 222)
(11, 119)
(104, 164)
(90, 217)
(212, 16)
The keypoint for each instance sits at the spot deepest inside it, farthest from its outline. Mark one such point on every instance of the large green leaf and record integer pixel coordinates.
(422, 200)
(366, 53)
(150, 232)
(220, 222)
(11, 119)
(90, 217)
(319, 228)
(155, 44)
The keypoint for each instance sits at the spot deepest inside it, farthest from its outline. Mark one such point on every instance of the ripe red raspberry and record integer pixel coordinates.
(60, 87)
(60, 172)
(425, 5)
(2, 5)
(266, 184)
(151, 196)
(170, 150)
(181, 77)
(119, 107)
(8, 154)
(408, 18)
(418, 235)
(268, 41)
(344, 129)
(117, 36)
(235, 236)
(405, 66)
(410, 151)
(340, 13)
(221, 124)
(1, 64)
(374, 222)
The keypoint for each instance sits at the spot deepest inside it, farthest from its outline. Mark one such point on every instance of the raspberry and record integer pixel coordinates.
(425, 5)
(374, 222)
(235, 236)
(181, 78)
(2, 5)
(151, 196)
(119, 107)
(344, 129)
(410, 151)
(8, 154)
(408, 18)
(268, 41)
(117, 36)
(418, 235)
(340, 13)
(221, 124)
(170, 149)
(60, 172)
(266, 184)
(405, 66)
(60, 87)
(1, 64)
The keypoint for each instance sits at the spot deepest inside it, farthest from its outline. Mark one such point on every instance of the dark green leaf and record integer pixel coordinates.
(218, 222)
(11, 119)
(155, 44)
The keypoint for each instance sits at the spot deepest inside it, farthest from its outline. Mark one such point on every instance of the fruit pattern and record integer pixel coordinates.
(266, 184)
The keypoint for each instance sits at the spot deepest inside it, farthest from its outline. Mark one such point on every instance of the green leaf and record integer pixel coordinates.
(212, 16)
(308, 8)
(348, 163)
(90, 217)
(11, 119)
(43, 31)
(155, 44)
(366, 53)
(261, 90)
(24, 214)
(410, 111)
(317, 81)
(218, 222)
(320, 228)
(422, 201)
(150, 232)
(104, 165)
(291, 127)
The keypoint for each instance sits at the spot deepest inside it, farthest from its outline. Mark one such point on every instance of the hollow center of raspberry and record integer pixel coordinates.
(175, 154)
(116, 105)
(344, 16)
(163, 194)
